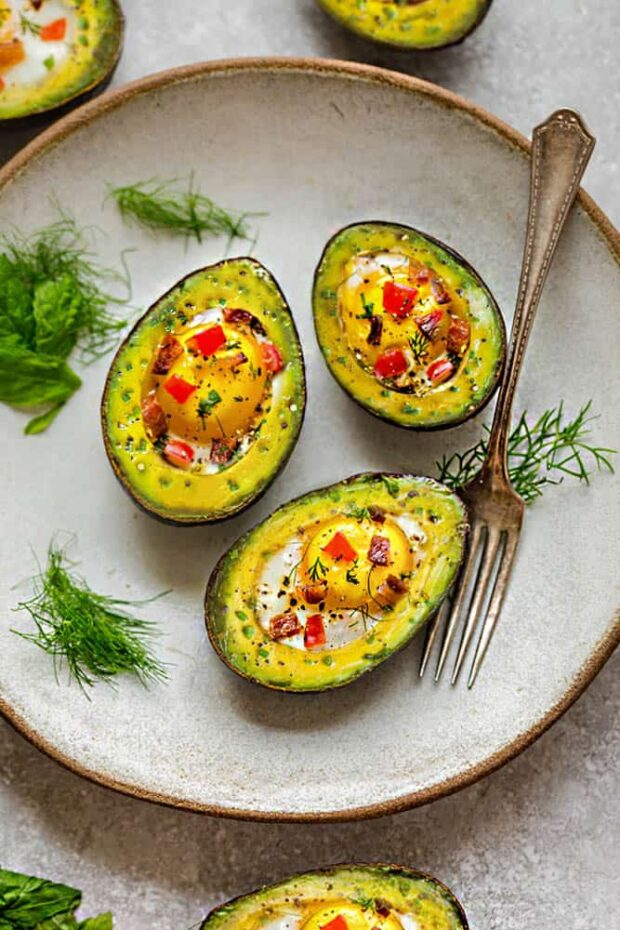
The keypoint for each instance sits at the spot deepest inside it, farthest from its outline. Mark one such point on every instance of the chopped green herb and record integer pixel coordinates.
(49, 62)
(368, 309)
(391, 485)
(317, 570)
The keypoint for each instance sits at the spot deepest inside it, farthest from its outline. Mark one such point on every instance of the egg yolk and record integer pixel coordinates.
(217, 395)
(344, 915)
(393, 307)
(349, 561)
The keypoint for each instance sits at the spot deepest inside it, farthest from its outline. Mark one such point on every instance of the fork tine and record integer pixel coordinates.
(495, 604)
(458, 599)
(431, 636)
(489, 556)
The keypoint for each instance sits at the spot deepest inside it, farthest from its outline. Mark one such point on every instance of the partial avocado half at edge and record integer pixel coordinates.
(205, 399)
(53, 55)
(345, 897)
(414, 25)
(335, 582)
(407, 326)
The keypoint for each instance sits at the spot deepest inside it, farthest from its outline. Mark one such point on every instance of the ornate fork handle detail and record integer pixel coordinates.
(562, 149)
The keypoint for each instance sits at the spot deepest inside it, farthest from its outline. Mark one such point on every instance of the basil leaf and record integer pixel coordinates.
(27, 379)
(26, 902)
(103, 922)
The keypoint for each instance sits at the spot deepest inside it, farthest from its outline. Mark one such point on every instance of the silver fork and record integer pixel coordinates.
(562, 147)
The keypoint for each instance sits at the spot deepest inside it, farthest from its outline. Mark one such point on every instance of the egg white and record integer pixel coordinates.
(32, 70)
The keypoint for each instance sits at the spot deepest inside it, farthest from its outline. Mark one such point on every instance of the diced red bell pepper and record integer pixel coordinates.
(440, 370)
(339, 548)
(208, 341)
(179, 453)
(338, 923)
(1, 84)
(398, 299)
(54, 31)
(179, 388)
(272, 357)
(429, 323)
(314, 634)
(391, 363)
(458, 336)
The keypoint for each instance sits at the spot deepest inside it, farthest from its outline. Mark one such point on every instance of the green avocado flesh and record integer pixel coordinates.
(335, 582)
(348, 897)
(55, 52)
(205, 398)
(410, 24)
(407, 326)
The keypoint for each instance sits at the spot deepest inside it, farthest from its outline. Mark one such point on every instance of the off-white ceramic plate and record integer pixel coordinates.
(317, 145)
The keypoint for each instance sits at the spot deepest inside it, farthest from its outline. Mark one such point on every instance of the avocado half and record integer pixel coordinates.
(407, 327)
(55, 52)
(335, 582)
(345, 897)
(417, 25)
(205, 398)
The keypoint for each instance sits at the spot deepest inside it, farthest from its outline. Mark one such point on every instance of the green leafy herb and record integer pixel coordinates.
(358, 513)
(51, 301)
(351, 575)
(28, 903)
(206, 406)
(391, 485)
(418, 343)
(540, 453)
(27, 26)
(317, 570)
(92, 633)
(368, 307)
(179, 209)
(49, 62)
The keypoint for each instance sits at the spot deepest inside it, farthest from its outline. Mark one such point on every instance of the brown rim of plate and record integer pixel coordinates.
(372, 75)
(406, 871)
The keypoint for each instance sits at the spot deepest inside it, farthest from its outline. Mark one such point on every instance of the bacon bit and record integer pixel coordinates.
(179, 453)
(458, 336)
(169, 351)
(338, 923)
(180, 389)
(439, 292)
(423, 276)
(313, 593)
(396, 584)
(429, 323)
(440, 370)
(222, 450)
(284, 625)
(398, 299)
(377, 514)
(234, 315)
(272, 358)
(382, 907)
(54, 31)
(314, 634)
(11, 53)
(339, 548)
(36, 4)
(391, 363)
(153, 416)
(379, 551)
(376, 331)
(207, 342)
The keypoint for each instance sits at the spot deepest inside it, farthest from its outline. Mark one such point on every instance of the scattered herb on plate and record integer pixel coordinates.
(93, 633)
(177, 206)
(540, 452)
(28, 903)
(52, 300)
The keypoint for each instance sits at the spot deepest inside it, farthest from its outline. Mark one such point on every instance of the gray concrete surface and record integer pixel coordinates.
(533, 846)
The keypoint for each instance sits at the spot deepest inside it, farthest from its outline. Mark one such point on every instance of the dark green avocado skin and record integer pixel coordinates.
(452, 43)
(41, 119)
(371, 869)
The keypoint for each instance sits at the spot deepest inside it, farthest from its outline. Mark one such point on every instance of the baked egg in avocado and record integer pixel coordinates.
(205, 398)
(335, 582)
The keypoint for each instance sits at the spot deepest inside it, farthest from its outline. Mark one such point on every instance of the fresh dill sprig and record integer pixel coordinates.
(181, 209)
(418, 343)
(92, 633)
(540, 453)
(27, 25)
(61, 251)
(317, 570)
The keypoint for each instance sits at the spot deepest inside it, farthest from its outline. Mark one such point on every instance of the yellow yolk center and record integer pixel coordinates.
(229, 386)
(353, 916)
(354, 580)
(361, 295)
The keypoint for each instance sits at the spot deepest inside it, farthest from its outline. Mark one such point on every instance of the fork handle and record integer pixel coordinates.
(562, 147)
